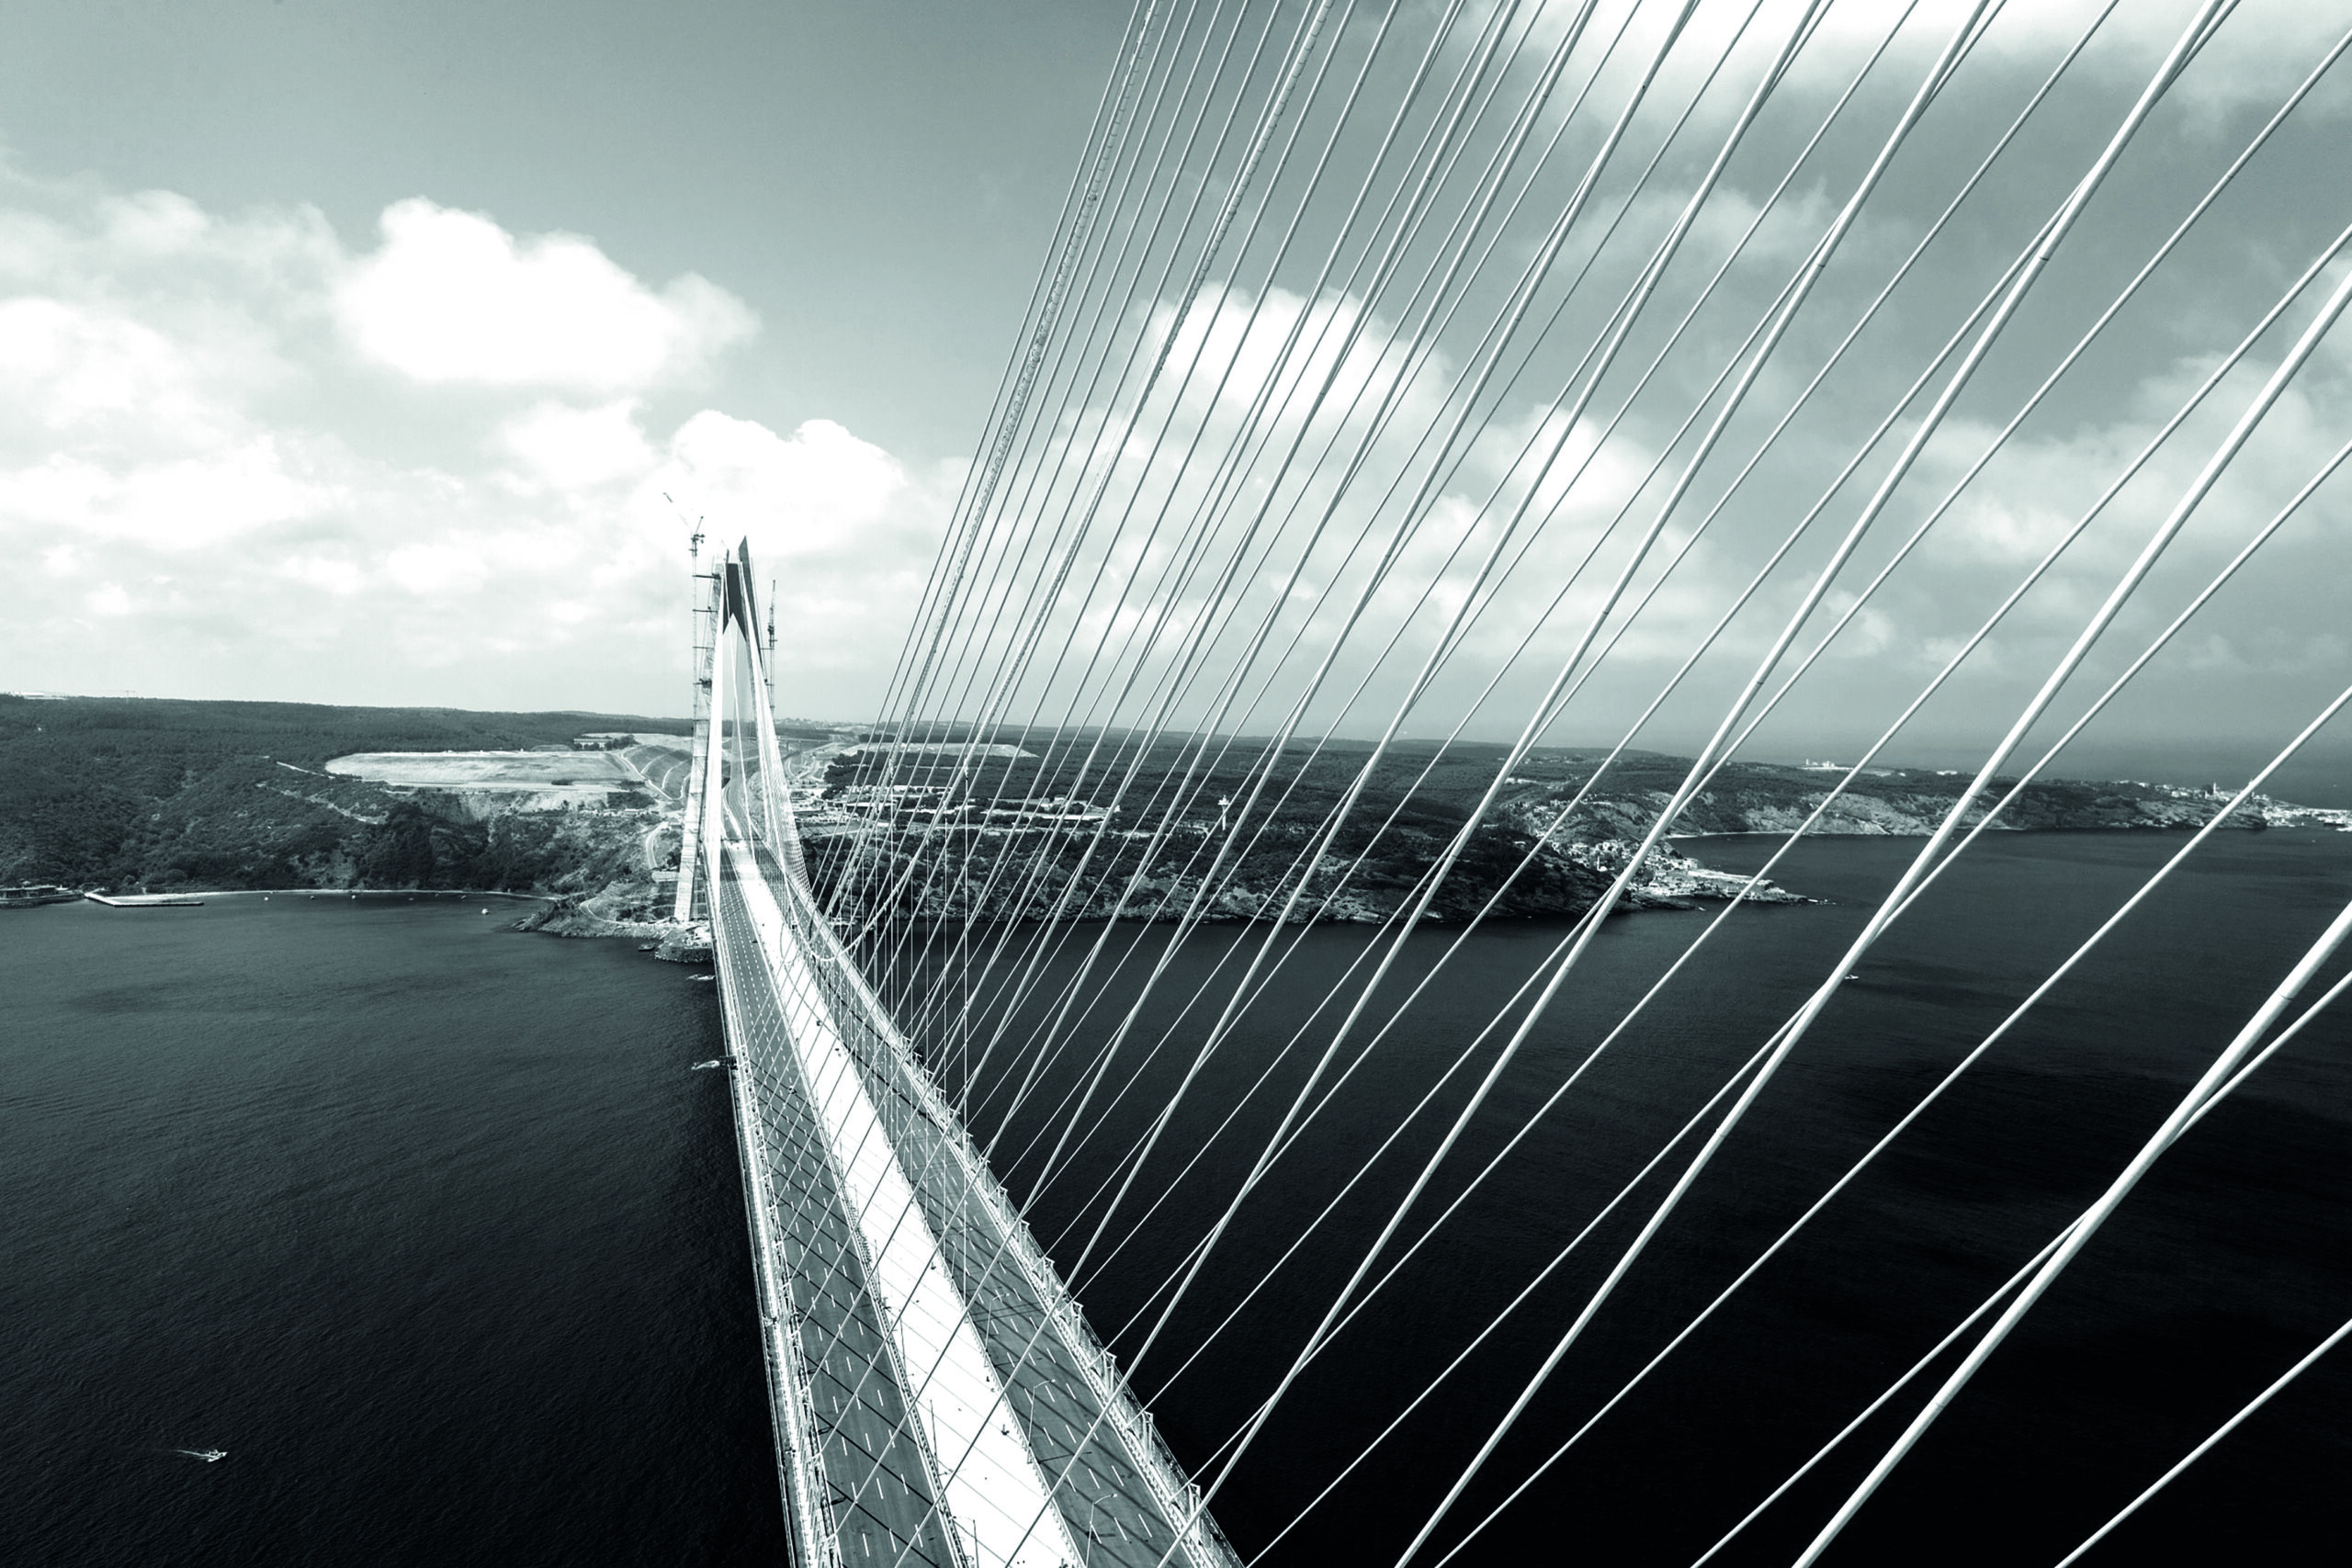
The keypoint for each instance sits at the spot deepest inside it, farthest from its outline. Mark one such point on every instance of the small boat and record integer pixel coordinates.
(714, 1062)
(33, 892)
(705, 979)
(209, 1456)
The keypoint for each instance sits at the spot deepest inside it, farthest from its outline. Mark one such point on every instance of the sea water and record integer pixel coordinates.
(432, 1227)
(2227, 1264)
(428, 1224)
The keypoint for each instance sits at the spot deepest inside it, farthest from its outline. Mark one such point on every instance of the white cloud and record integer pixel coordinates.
(2259, 52)
(450, 450)
(807, 495)
(338, 575)
(2029, 498)
(453, 299)
(444, 567)
(846, 528)
(216, 497)
(573, 448)
(71, 370)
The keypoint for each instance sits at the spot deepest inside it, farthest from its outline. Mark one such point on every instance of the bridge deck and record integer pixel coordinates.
(937, 1252)
(875, 1488)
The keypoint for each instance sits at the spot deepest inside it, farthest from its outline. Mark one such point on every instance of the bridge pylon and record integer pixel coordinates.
(703, 605)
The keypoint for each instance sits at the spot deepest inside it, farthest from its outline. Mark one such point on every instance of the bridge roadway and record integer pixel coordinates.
(890, 1259)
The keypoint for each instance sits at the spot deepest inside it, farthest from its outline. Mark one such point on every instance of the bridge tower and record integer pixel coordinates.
(702, 603)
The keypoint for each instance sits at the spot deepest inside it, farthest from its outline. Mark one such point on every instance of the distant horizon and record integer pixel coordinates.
(2320, 776)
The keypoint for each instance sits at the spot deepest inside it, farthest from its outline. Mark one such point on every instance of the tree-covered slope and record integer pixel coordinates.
(101, 792)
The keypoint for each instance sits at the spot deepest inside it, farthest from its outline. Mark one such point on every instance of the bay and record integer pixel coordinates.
(2222, 1269)
(427, 1223)
(430, 1225)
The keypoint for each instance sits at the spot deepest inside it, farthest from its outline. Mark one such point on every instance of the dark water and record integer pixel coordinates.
(2227, 1264)
(425, 1221)
(428, 1224)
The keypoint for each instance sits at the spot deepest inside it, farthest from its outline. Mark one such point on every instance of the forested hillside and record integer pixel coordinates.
(1421, 791)
(127, 792)
(113, 793)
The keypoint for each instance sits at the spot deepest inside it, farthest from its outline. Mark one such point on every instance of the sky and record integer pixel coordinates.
(364, 353)
(348, 348)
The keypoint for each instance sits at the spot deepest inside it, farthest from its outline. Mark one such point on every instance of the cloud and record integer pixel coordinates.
(573, 448)
(807, 494)
(436, 463)
(846, 529)
(2261, 49)
(78, 373)
(453, 299)
(238, 458)
(1133, 606)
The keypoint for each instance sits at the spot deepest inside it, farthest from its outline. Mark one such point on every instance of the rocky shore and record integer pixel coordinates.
(607, 914)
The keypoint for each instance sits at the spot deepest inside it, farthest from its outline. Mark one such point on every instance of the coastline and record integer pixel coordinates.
(557, 914)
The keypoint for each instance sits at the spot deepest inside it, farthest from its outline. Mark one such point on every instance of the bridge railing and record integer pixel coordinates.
(852, 1001)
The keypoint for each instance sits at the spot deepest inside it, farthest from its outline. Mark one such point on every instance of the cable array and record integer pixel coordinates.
(1406, 389)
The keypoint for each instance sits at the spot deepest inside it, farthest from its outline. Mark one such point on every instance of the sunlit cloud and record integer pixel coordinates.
(452, 298)
(242, 459)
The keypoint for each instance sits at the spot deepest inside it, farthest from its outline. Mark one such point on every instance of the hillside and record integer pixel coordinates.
(1005, 830)
(1431, 792)
(124, 793)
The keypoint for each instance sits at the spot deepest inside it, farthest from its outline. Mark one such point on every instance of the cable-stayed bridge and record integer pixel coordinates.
(938, 1397)
(1400, 377)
